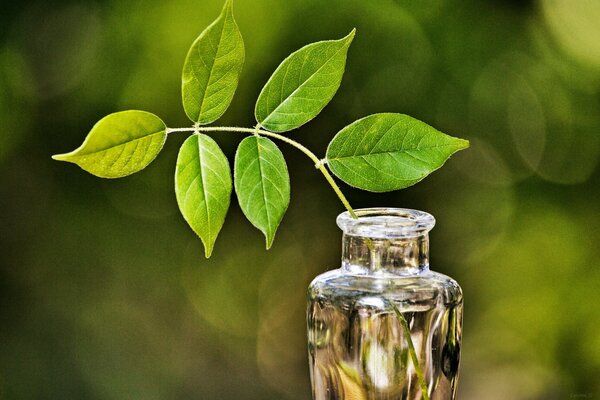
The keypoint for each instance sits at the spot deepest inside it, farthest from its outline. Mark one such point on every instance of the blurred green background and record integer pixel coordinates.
(104, 290)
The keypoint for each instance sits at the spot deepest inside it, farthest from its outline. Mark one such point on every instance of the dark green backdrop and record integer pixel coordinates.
(104, 291)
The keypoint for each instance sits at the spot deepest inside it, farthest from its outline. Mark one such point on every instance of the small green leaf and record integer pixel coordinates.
(385, 152)
(203, 187)
(262, 184)
(120, 144)
(212, 69)
(302, 85)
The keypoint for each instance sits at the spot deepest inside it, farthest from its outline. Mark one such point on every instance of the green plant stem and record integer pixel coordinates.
(412, 351)
(318, 163)
(337, 190)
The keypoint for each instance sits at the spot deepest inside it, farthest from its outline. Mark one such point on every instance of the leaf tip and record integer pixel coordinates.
(269, 242)
(464, 144)
(349, 37)
(208, 249)
(61, 157)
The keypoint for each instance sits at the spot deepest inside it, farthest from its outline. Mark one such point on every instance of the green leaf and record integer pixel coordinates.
(203, 187)
(302, 85)
(262, 184)
(120, 144)
(385, 152)
(212, 69)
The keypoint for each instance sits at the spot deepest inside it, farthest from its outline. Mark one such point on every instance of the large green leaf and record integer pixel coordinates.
(203, 187)
(212, 69)
(385, 152)
(119, 144)
(262, 184)
(302, 85)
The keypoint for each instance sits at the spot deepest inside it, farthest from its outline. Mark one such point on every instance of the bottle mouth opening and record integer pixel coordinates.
(385, 223)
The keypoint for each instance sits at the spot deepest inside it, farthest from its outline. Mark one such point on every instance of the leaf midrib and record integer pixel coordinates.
(300, 86)
(204, 190)
(117, 145)
(262, 188)
(389, 152)
(213, 61)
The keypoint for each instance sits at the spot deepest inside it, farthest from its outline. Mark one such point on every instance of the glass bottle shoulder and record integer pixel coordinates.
(426, 286)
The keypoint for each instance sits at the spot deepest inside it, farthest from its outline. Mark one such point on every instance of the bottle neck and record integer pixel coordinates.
(374, 256)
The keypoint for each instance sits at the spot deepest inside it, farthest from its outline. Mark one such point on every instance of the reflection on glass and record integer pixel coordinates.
(384, 326)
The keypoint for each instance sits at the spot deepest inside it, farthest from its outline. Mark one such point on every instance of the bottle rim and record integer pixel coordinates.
(386, 222)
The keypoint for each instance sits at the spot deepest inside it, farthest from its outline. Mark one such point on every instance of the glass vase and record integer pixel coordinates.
(384, 326)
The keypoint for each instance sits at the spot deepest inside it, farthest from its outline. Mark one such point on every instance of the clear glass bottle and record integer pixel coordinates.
(383, 326)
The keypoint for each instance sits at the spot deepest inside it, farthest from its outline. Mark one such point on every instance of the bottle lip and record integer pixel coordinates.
(383, 223)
